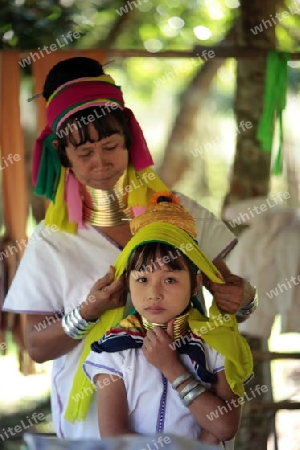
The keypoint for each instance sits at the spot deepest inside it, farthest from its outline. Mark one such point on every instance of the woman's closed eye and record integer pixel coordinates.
(110, 147)
(84, 150)
(86, 154)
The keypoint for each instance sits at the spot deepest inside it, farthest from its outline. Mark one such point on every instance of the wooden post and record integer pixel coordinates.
(250, 178)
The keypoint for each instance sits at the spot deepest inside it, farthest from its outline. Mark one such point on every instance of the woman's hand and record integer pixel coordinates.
(105, 294)
(47, 342)
(159, 348)
(230, 296)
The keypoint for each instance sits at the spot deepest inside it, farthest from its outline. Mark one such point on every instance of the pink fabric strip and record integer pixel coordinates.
(73, 200)
(138, 210)
(139, 151)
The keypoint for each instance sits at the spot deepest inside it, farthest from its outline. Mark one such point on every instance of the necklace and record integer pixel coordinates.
(180, 325)
(106, 208)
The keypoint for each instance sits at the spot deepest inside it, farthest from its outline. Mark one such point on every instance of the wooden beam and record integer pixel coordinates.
(197, 52)
(268, 356)
(274, 406)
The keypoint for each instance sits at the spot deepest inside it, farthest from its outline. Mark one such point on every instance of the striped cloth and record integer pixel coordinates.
(129, 333)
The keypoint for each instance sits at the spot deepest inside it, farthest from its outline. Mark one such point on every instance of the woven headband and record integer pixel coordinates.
(79, 94)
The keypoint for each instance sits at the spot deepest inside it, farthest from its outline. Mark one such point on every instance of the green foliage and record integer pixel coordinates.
(287, 29)
(152, 24)
(32, 24)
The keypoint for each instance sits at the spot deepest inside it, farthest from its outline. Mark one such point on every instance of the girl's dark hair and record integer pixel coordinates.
(147, 256)
(107, 120)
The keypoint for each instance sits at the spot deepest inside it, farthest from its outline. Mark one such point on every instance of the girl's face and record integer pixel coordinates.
(161, 294)
(99, 164)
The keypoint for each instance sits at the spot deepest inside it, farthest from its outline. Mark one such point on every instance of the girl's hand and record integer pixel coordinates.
(159, 348)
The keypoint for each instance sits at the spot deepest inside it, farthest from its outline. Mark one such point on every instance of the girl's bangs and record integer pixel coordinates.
(151, 255)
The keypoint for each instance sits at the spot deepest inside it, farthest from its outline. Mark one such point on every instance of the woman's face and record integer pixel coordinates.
(99, 164)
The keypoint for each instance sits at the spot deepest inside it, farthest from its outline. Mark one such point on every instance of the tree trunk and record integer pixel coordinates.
(251, 169)
(121, 23)
(250, 178)
(176, 161)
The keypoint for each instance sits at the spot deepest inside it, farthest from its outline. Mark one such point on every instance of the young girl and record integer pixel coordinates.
(153, 372)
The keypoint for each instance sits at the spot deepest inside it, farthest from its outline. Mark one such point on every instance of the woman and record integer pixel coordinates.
(93, 163)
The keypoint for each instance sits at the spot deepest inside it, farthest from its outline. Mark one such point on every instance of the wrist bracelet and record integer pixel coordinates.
(188, 388)
(193, 394)
(179, 380)
(67, 329)
(75, 326)
(250, 308)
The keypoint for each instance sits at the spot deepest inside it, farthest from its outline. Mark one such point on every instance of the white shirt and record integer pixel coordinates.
(58, 270)
(153, 405)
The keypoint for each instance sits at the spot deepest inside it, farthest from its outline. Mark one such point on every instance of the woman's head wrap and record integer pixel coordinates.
(51, 179)
(219, 330)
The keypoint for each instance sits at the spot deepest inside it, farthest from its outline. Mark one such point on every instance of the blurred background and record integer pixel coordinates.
(190, 111)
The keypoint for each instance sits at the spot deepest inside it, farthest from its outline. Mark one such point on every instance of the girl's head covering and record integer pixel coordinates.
(170, 223)
(52, 180)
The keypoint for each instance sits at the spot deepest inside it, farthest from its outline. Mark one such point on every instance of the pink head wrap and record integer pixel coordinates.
(82, 93)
